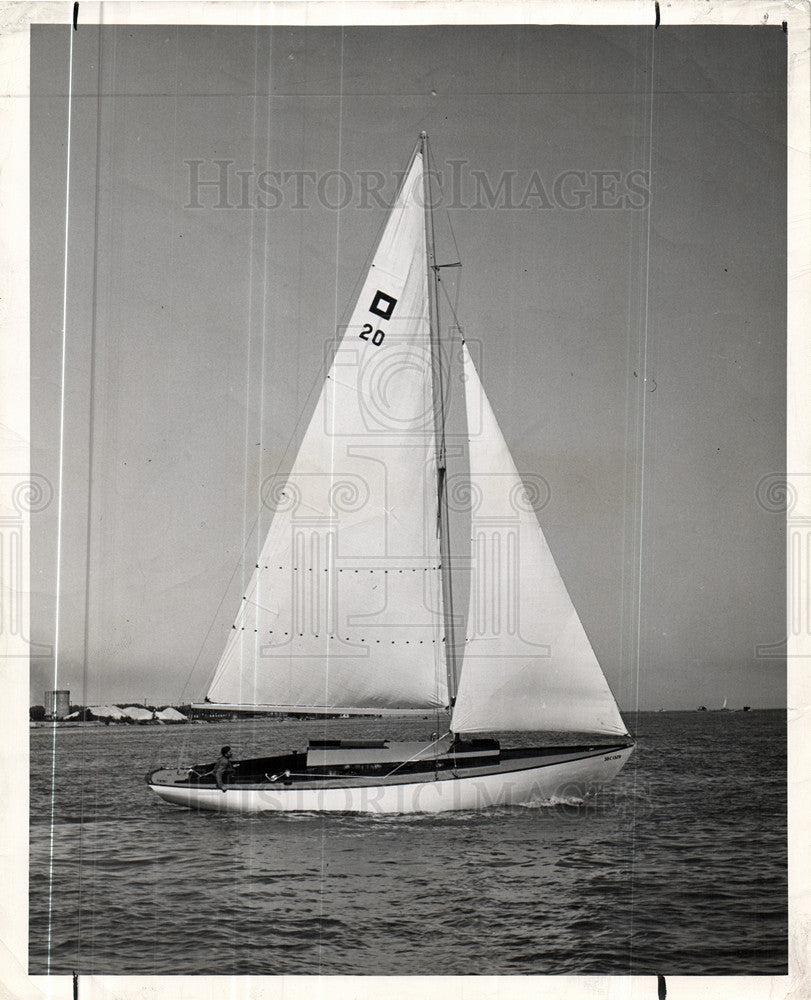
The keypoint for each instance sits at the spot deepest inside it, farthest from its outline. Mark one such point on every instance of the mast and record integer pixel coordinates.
(439, 400)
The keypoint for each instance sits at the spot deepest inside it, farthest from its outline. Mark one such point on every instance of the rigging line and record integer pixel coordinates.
(333, 395)
(329, 595)
(642, 476)
(90, 457)
(456, 320)
(264, 329)
(250, 317)
(458, 256)
(436, 283)
(440, 284)
(60, 492)
(644, 372)
(414, 756)
(171, 316)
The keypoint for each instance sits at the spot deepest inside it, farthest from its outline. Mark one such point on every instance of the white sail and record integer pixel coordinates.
(344, 611)
(528, 664)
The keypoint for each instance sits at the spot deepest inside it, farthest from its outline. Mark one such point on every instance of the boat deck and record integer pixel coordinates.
(329, 762)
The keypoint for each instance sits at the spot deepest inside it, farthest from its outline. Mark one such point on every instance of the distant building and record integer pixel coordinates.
(57, 704)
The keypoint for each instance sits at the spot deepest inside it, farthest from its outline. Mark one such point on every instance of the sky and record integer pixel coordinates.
(617, 198)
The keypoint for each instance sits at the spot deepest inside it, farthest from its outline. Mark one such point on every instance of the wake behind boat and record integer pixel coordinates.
(350, 606)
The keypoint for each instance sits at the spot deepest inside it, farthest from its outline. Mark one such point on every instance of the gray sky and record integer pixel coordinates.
(196, 335)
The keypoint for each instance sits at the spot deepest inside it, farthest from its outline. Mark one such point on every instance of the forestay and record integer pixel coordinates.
(343, 609)
(528, 664)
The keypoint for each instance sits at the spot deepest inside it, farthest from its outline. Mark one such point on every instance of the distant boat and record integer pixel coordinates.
(337, 617)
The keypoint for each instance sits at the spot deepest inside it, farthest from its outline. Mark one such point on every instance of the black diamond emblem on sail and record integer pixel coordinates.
(382, 305)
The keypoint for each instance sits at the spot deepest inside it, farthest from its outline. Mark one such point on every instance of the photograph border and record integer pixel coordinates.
(16, 20)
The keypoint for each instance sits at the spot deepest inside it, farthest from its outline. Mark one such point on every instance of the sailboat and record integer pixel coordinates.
(349, 610)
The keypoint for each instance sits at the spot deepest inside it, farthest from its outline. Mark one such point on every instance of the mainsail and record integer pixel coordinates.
(343, 611)
(528, 664)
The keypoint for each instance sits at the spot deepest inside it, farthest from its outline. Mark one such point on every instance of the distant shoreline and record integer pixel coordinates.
(50, 725)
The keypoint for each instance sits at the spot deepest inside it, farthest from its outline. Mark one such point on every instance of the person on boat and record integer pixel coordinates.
(223, 767)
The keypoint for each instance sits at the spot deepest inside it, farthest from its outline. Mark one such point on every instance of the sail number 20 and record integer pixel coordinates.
(376, 337)
(383, 306)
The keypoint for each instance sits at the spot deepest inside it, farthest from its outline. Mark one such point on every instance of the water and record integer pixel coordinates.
(677, 867)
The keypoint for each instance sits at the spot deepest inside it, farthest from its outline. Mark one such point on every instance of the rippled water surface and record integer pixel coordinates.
(679, 866)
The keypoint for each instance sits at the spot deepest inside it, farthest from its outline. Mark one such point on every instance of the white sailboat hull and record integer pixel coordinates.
(520, 785)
